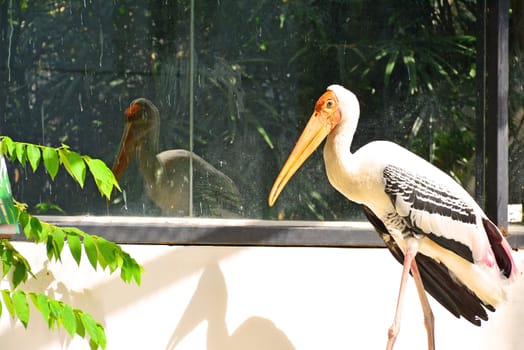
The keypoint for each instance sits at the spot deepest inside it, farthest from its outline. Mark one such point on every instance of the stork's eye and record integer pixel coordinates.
(330, 103)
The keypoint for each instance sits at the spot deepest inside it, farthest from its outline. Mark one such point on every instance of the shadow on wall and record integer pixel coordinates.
(209, 303)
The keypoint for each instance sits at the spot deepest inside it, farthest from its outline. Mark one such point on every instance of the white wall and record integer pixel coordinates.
(234, 298)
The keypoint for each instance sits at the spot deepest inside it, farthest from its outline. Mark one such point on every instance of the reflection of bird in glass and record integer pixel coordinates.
(430, 224)
(167, 174)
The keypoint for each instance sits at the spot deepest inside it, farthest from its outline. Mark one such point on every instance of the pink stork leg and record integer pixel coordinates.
(426, 308)
(411, 264)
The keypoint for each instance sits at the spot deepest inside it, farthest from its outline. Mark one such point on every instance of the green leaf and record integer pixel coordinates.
(266, 137)
(90, 326)
(51, 161)
(80, 329)
(8, 302)
(21, 307)
(409, 61)
(21, 154)
(45, 207)
(102, 340)
(75, 247)
(104, 178)
(390, 66)
(41, 302)
(8, 146)
(7, 261)
(107, 250)
(74, 164)
(91, 251)
(137, 272)
(49, 247)
(130, 270)
(58, 242)
(34, 299)
(33, 154)
(55, 310)
(35, 226)
(68, 319)
(19, 274)
(23, 219)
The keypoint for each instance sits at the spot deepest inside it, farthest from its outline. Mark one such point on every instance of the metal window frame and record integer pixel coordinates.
(493, 36)
(233, 232)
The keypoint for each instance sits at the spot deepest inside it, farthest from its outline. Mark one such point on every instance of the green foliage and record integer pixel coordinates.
(99, 251)
(74, 163)
(55, 313)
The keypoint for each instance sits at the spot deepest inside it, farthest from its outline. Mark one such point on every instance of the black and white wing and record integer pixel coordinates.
(431, 209)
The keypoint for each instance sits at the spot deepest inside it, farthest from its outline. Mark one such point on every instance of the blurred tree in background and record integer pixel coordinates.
(69, 69)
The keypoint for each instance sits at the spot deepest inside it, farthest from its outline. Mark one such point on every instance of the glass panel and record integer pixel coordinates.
(239, 100)
(516, 111)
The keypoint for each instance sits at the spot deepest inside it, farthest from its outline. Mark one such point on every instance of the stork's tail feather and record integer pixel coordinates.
(501, 249)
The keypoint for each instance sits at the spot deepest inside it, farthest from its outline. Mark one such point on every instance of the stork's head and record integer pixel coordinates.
(141, 129)
(336, 108)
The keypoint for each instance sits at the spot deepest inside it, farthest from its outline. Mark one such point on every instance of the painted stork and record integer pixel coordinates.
(166, 174)
(430, 223)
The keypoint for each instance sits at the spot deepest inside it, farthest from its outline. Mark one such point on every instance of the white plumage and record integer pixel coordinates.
(427, 220)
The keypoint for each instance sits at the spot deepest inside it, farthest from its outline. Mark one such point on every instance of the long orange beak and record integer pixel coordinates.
(315, 132)
(130, 139)
(125, 151)
(324, 119)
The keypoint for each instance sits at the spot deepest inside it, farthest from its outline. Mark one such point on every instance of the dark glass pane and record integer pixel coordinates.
(70, 69)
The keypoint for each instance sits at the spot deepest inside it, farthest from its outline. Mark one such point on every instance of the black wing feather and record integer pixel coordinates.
(438, 282)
